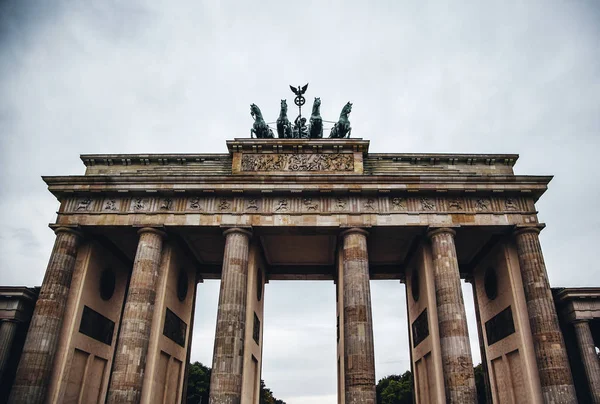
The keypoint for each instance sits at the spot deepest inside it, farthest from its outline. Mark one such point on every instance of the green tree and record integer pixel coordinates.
(266, 395)
(480, 384)
(198, 388)
(198, 384)
(395, 389)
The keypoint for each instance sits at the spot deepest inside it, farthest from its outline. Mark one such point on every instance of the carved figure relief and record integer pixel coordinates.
(369, 204)
(309, 205)
(455, 204)
(224, 204)
(398, 203)
(340, 203)
(298, 162)
(195, 203)
(427, 204)
(510, 204)
(252, 204)
(84, 204)
(111, 204)
(139, 204)
(283, 206)
(482, 204)
(166, 204)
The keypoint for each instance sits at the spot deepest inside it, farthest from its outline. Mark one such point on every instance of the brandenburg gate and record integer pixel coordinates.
(136, 233)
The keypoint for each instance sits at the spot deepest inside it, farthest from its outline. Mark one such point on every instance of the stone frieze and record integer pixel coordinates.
(298, 162)
(273, 205)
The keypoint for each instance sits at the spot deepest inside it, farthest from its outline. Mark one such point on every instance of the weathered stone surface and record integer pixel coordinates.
(228, 357)
(457, 362)
(132, 347)
(550, 352)
(359, 356)
(591, 363)
(35, 367)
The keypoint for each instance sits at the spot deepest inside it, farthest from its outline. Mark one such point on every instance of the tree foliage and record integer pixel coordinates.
(266, 395)
(198, 388)
(395, 389)
(480, 384)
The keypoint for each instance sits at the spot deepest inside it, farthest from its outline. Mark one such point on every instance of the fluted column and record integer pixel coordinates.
(591, 363)
(359, 356)
(132, 347)
(35, 366)
(550, 352)
(457, 362)
(8, 329)
(228, 357)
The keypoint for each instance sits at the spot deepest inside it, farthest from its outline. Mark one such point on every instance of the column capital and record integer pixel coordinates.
(580, 321)
(64, 229)
(522, 229)
(152, 230)
(231, 230)
(353, 230)
(432, 231)
(10, 320)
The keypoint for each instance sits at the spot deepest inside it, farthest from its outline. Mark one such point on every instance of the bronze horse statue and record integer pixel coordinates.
(260, 127)
(316, 122)
(342, 128)
(284, 126)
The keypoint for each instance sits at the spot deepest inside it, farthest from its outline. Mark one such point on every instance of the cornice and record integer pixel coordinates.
(319, 183)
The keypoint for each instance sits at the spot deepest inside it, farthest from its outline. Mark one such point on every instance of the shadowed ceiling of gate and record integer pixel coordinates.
(306, 253)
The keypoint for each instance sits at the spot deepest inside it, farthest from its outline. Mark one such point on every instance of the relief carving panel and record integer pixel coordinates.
(309, 204)
(298, 162)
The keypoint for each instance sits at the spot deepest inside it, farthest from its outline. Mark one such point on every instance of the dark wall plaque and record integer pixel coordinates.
(108, 281)
(415, 284)
(256, 329)
(175, 328)
(96, 326)
(500, 326)
(420, 328)
(182, 285)
(259, 284)
(490, 283)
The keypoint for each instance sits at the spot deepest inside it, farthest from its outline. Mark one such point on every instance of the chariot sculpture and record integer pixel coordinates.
(300, 129)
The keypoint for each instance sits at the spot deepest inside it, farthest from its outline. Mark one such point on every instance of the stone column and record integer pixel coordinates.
(359, 356)
(591, 363)
(35, 367)
(130, 357)
(457, 363)
(8, 329)
(550, 353)
(228, 357)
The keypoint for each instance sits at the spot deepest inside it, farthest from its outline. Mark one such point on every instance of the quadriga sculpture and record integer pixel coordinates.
(284, 126)
(342, 128)
(260, 128)
(316, 122)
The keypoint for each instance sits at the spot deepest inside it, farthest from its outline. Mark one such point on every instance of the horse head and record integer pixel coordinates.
(284, 108)
(255, 111)
(316, 106)
(347, 108)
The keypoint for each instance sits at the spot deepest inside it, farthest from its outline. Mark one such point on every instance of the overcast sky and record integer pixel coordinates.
(162, 76)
